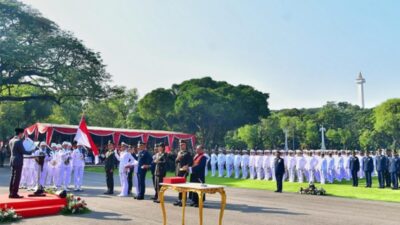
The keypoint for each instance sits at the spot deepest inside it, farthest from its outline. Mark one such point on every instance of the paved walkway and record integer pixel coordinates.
(245, 207)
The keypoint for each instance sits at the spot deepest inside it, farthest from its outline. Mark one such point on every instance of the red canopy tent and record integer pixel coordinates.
(49, 129)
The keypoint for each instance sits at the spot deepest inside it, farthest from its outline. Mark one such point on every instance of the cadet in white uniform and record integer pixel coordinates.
(323, 168)
(126, 162)
(300, 166)
(346, 159)
(29, 175)
(361, 157)
(43, 173)
(207, 155)
(245, 164)
(64, 177)
(221, 163)
(237, 163)
(78, 162)
(340, 170)
(291, 165)
(259, 165)
(252, 164)
(266, 165)
(272, 164)
(214, 161)
(52, 165)
(331, 168)
(230, 160)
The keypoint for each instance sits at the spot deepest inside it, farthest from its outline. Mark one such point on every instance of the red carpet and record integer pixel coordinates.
(33, 207)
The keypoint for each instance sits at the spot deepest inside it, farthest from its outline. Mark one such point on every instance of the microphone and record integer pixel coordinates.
(202, 184)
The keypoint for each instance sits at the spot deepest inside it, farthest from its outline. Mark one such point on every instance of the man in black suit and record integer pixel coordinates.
(16, 161)
(182, 163)
(110, 163)
(381, 166)
(354, 168)
(144, 162)
(160, 169)
(279, 166)
(368, 169)
(198, 173)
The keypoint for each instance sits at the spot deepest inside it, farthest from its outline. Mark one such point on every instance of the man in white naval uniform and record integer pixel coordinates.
(259, 165)
(126, 162)
(266, 165)
(207, 155)
(245, 164)
(272, 164)
(317, 157)
(346, 159)
(373, 155)
(214, 161)
(331, 168)
(28, 177)
(221, 163)
(291, 160)
(43, 173)
(237, 163)
(340, 170)
(229, 163)
(64, 177)
(361, 157)
(252, 164)
(78, 163)
(300, 166)
(52, 173)
(323, 168)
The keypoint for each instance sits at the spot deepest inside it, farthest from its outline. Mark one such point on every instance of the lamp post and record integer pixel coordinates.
(322, 130)
(286, 131)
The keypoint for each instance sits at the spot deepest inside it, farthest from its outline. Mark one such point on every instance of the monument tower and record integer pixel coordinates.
(360, 83)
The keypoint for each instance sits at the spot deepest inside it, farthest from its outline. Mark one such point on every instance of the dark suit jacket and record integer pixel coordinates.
(354, 164)
(368, 164)
(394, 164)
(160, 165)
(110, 162)
(184, 158)
(279, 165)
(144, 158)
(17, 152)
(198, 170)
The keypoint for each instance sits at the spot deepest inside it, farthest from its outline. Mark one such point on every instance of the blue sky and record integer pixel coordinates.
(304, 53)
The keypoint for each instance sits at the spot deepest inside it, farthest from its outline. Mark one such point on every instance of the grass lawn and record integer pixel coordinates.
(343, 189)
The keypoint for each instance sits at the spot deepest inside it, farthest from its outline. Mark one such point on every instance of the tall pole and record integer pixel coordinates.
(360, 83)
(286, 131)
(322, 129)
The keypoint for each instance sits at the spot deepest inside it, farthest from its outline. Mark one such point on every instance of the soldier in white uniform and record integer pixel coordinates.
(78, 163)
(340, 169)
(237, 163)
(259, 165)
(373, 155)
(64, 177)
(214, 161)
(221, 163)
(272, 164)
(43, 173)
(245, 164)
(126, 162)
(323, 168)
(207, 155)
(291, 160)
(28, 177)
(52, 165)
(252, 164)
(331, 168)
(266, 165)
(229, 163)
(361, 157)
(300, 166)
(317, 157)
(346, 159)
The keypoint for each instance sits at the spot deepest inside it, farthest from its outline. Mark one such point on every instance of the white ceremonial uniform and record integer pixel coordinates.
(323, 169)
(125, 159)
(331, 169)
(229, 164)
(259, 166)
(340, 170)
(361, 173)
(245, 166)
(375, 173)
(291, 168)
(252, 166)
(208, 161)
(300, 167)
(347, 172)
(43, 173)
(52, 172)
(272, 166)
(78, 163)
(214, 161)
(267, 167)
(221, 164)
(237, 163)
(28, 175)
(65, 169)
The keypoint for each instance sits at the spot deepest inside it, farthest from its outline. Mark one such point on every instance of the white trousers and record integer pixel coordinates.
(237, 172)
(213, 169)
(245, 172)
(28, 177)
(252, 172)
(78, 176)
(273, 173)
(300, 175)
(136, 183)
(260, 173)
(43, 175)
(52, 174)
(267, 173)
(292, 174)
(331, 175)
(220, 170)
(123, 178)
(229, 171)
(323, 174)
(64, 177)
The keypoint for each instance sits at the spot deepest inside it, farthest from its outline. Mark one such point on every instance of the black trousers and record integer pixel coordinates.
(2, 157)
(388, 179)
(368, 177)
(142, 183)
(130, 181)
(157, 181)
(110, 181)
(279, 182)
(15, 179)
(381, 179)
(354, 176)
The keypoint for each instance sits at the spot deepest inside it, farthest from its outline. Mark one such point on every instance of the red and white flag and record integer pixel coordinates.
(83, 138)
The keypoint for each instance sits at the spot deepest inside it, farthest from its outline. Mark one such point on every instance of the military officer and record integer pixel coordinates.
(126, 162)
(110, 163)
(354, 167)
(197, 175)
(213, 162)
(267, 165)
(394, 166)
(78, 162)
(252, 164)
(230, 160)
(237, 162)
(144, 163)
(381, 166)
(160, 170)
(183, 161)
(368, 168)
(221, 162)
(245, 164)
(279, 166)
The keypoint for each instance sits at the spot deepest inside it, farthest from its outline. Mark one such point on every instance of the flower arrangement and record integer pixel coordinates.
(312, 190)
(75, 205)
(8, 215)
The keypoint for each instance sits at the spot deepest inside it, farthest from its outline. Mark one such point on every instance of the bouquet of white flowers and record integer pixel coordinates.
(8, 215)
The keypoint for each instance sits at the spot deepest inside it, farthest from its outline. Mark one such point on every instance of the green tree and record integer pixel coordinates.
(387, 120)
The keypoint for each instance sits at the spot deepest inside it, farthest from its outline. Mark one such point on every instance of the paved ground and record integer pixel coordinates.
(249, 207)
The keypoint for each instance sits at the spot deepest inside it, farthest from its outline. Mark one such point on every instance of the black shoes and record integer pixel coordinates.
(278, 191)
(178, 203)
(108, 193)
(15, 196)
